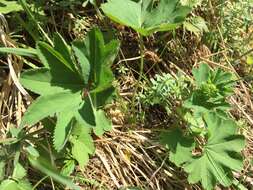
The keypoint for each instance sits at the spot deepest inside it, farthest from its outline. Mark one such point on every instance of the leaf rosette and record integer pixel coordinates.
(73, 84)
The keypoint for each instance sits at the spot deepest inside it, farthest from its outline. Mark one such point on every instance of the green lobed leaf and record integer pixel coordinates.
(180, 146)
(15, 185)
(143, 17)
(19, 172)
(45, 106)
(82, 144)
(9, 185)
(221, 154)
(43, 82)
(102, 123)
(43, 165)
(7, 6)
(63, 128)
(101, 57)
(79, 50)
(213, 87)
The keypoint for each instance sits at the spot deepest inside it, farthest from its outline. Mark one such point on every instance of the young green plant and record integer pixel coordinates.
(146, 18)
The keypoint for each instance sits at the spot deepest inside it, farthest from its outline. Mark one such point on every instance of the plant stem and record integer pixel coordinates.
(141, 70)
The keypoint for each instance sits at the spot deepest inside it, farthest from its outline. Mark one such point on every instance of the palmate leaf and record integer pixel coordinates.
(220, 155)
(82, 144)
(180, 146)
(143, 17)
(101, 57)
(65, 90)
(212, 89)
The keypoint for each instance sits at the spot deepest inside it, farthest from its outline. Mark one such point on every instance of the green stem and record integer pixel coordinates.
(141, 70)
(142, 59)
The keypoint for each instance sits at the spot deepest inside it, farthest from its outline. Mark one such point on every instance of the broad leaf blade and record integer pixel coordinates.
(9, 6)
(47, 105)
(41, 81)
(100, 56)
(180, 146)
(63, 129)
(201, 74)
(124, 12)
(19, 171)
(144, 17)
(82, 144)
(102, 123)
(56, 63)
(220, 155)
(61, 46)
(85, 114)
(79, 50)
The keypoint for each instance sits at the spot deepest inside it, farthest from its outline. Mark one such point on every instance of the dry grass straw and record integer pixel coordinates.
(11, 101)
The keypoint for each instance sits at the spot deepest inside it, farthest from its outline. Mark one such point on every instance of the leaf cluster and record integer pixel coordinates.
(146, 17)
(212, 90)
(209, 148)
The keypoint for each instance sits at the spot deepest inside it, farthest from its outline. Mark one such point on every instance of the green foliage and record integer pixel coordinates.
(15, 185)
(68, 168)
(164, 89)
(17, 181)
(7, 6)
(43, 165)
(180, 146)
(70, 92)
(196, 25)
(215, 160)
(220, 156)
(82, 144)
(20, 51)
(76, 81)
(212, 89)
(234, 22)
(144, 17)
